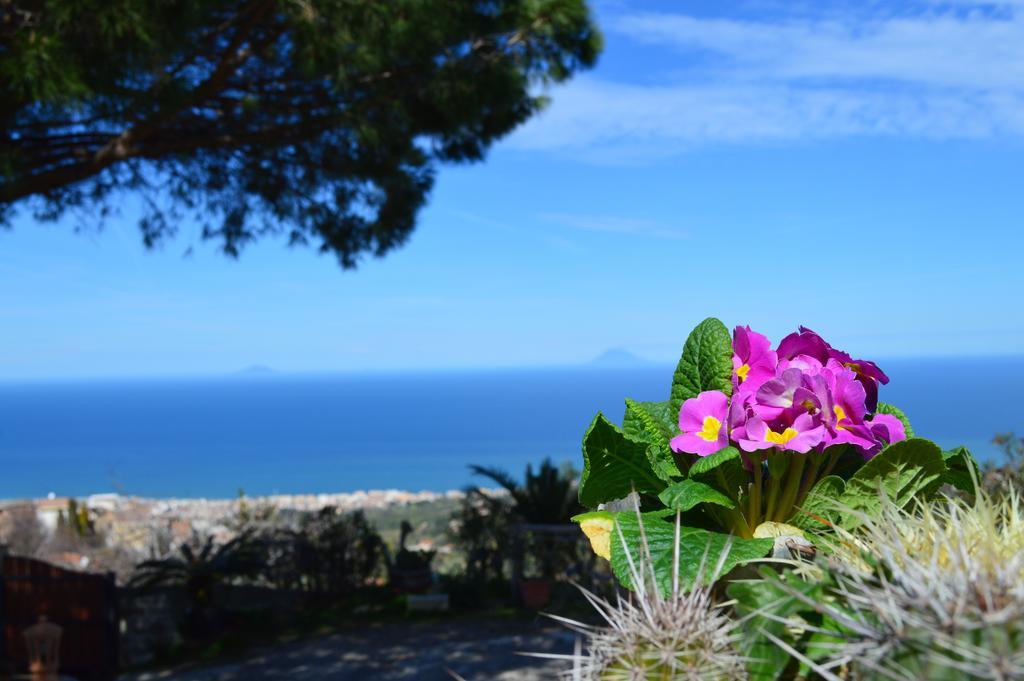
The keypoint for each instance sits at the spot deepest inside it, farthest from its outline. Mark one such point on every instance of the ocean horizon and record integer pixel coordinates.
(269, 433)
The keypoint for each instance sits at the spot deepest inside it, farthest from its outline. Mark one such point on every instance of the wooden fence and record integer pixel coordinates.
(84, 605)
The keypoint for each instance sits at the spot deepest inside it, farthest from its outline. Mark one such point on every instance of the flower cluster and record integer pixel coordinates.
(804, 395)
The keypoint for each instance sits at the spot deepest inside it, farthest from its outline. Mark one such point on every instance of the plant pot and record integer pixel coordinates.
(535, 593)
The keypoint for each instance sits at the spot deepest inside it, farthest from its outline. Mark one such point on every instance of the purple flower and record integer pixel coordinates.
(844, 408)
(740, 409)
(702, 424)
(778, 394)
(887, 429)
(753, 360)
(805, 363)
(801, 435)
(846, 391)
(804, 342)
(807, 342)
(861, 367)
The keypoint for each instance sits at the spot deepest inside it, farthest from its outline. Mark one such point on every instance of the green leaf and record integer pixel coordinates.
(820, 504)
(722, 457)
(902, 471)
(723, 469)
(684, 495)
(652, 422)
(961, 469)
(884, 408)
(706, 363)
(763, 600)
(821, 646)
(614, 464)
(697, 548)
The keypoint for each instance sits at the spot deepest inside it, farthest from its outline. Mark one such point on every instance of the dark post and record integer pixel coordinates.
(4, 662)
(113, 622)
(517, 560)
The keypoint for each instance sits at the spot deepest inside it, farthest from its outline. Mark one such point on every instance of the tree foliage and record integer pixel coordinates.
(547, 497)
(320, 119)
(202, 565)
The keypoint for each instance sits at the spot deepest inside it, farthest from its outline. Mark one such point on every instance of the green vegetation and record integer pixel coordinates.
(409, 570)
(547, 497)
(323, 120)
(430, 520)
(199, 570)
(76, 521)
(741, 485)
(861, 551)
(929, 591)
(1009, 475)
(539, 507)
(298, 572)
(481, 531)
(678, 634)
(328, 556)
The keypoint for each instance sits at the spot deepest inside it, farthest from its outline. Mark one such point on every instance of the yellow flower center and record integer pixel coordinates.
(781, 438)
(840, 416)
(711, 428)
(742, 372)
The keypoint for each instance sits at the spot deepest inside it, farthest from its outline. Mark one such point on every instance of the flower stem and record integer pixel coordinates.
(832, 461)
(812, 476)
(731, 519)
(754, 512)
(725, 485)
(774, 482)
(793, 477)
(740, 525)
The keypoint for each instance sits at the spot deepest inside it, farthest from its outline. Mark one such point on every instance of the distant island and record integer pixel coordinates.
(619, 358)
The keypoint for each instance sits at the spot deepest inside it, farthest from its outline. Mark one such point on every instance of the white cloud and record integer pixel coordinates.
(973, 52)
(941, 74)
(995, 4)
(604, 121)
(615, 225)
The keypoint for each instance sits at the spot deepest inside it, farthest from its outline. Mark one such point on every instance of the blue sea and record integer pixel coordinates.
(336, 433)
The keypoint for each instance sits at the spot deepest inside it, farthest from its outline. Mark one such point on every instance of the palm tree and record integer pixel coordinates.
(198, 570)
(547, 497)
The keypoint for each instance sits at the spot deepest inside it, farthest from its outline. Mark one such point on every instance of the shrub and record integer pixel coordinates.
(547, 497)
(329, 555)
(480, 529)
(199, 568)
(1009, 475)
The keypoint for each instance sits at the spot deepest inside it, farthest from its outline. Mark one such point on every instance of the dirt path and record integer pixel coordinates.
(476, 650)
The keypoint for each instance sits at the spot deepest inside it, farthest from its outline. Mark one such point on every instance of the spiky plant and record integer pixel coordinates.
(650, 636)
(935, 592)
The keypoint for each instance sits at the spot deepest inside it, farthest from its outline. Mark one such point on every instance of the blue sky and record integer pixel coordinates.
(848, 166)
